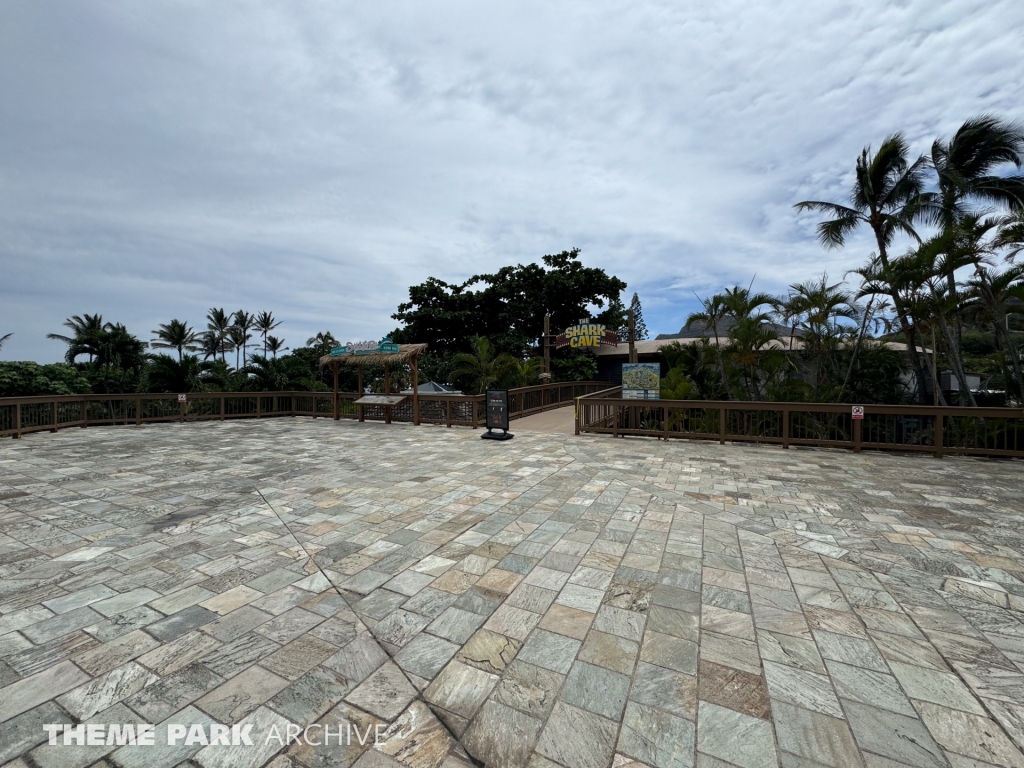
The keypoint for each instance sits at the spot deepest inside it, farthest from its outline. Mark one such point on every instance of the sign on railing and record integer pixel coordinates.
(641, 381)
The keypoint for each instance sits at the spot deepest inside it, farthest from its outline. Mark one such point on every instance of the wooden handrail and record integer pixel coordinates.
(940, 430)
(22, 415)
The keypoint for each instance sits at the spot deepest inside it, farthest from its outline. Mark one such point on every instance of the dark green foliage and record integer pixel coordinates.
(876, 377)
(26, 379)
(436, 366)
(280, 374)
(639, 326)
(309, 358)
(699, 363)
(165, 374)
(508, 307)
(575, 365)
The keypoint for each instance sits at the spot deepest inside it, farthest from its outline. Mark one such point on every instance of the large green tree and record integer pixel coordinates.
(508, 306)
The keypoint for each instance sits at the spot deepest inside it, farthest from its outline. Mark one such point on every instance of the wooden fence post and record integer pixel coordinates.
(138, 411)
(858, 435)
(939, 435)
(448, 408)
(721, 425)
(222, 408)
(664, 414)
(53, 416)
(17, 421)
(85, 413)
(259, 406)
(785, 427)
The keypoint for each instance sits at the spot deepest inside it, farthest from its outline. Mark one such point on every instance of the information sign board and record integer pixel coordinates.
(497, 409)
(380, 400)
(641, 381)
(858, 413)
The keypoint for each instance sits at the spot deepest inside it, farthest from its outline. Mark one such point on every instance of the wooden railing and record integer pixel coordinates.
(939, 431)
(22, 415)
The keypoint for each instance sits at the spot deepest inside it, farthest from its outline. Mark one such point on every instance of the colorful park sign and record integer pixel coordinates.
(641, 381)
(384, 346)
(586, 334)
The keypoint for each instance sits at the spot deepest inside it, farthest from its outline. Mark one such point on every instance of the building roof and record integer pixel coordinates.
(432, 388)
(405, 353)
(653, 346)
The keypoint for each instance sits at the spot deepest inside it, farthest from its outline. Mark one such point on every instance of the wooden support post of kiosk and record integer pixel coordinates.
(337, 404)
(415, 391)
(360, 390)
(547, 347)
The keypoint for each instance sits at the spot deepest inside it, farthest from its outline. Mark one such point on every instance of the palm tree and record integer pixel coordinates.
(323, 342)
(275, 345)
(712, 314)
(1011, 235)
(273, 375)
(887, 197)
(238, 339)
(523, 373)
(210, 345)
(4, 338)
(175, 335)
(995, 291)
(217, 324)
(265, 323)
(165, 374)
(966, 168)
(244, 322)
(896, 277)
(817, 308)
(752, 349)
(85, 340)
(481, 366)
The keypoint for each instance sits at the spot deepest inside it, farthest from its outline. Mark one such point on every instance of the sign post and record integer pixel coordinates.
(857, 414)
(497, 415)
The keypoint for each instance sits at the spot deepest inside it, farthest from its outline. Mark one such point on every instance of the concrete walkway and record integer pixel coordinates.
(545, 602)
(560, 421)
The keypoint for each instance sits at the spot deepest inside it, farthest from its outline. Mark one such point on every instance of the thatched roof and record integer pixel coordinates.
(404, 354)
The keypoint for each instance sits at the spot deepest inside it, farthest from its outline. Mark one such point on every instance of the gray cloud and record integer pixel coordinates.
(315, 159)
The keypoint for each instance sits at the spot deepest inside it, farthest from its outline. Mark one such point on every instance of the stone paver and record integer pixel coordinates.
(551, 601)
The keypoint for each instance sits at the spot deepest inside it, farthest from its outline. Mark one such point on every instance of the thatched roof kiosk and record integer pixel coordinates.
(407, 354)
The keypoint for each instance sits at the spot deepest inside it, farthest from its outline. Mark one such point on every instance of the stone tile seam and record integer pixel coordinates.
(419, 694)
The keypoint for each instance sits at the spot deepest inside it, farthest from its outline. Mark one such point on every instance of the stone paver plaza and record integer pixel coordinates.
(548, 601)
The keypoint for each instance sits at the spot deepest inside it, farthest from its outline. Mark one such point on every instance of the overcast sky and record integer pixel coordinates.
(317, 158)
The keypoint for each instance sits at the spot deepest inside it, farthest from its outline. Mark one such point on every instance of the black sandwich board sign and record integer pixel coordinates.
(497, 415)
